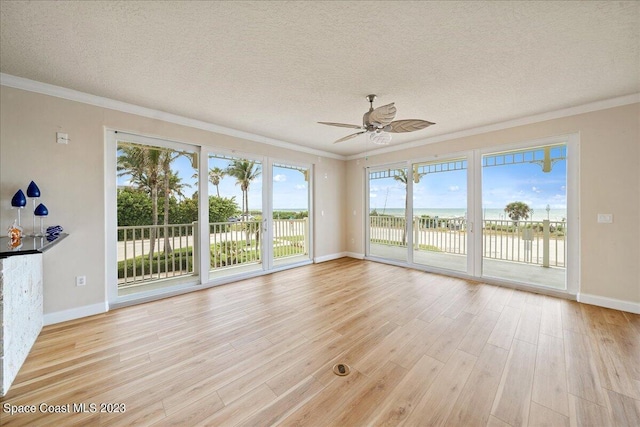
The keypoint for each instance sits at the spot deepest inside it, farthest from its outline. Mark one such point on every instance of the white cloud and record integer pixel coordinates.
(535, 189)
(300, 187)
(373, 195)
(280, 178)
(454, 188)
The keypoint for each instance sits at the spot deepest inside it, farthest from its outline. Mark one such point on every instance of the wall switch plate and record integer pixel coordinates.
(81, 280)
(605, 218)
(62, 138)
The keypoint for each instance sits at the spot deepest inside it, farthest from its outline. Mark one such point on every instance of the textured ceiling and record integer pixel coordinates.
(276, 68)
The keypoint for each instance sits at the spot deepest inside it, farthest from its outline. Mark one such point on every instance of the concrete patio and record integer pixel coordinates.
(553, 277)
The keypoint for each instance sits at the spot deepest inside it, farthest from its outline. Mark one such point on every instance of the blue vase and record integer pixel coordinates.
(18, 200)
(33, 190)
(41, 210)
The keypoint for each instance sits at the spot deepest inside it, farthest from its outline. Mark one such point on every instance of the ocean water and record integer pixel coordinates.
(538, 214)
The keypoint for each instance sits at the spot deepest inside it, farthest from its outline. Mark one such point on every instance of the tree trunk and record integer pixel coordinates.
(167, 192)
(152, 234)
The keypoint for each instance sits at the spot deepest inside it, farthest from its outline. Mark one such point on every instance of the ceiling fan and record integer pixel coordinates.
(379, 123)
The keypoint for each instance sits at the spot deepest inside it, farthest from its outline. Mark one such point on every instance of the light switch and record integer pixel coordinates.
(605, 218)
(62, 138)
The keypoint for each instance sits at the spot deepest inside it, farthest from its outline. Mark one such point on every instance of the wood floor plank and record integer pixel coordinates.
(473, 407)
(499, 299)
(390, 346)
(364, 402)
(328, 403)
(294, 398)
(414, 349)
(505, 329)
(513, 397)
(424, 349)
(436, 405)
(529, 325)
(479, 332)
(541, 416)
(496, 422)
(625, 411)
(195, 412)
(242, 408)
(551, 321)
(584, 379)
(448, 341)
(356, 352)
(549, 379)
(616, 372)
(404, 398)
(586, 413)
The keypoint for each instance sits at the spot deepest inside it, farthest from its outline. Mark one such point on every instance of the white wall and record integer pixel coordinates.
(609, 183)
(72, 178)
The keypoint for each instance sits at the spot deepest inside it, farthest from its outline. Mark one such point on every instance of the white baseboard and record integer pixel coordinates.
(616, 304)
(354, 255)
(329, 257)
(75, 313)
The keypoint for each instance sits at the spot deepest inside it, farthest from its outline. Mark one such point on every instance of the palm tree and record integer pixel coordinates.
(215, 175)
(517, 211)
(244, 171)
(403, 178)
(143, 165)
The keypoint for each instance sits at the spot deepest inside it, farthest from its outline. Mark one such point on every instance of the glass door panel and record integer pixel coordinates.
(290, 216)
(387, 201)
(524, 196)
(440, 214)
(157, 210)
(235, 215)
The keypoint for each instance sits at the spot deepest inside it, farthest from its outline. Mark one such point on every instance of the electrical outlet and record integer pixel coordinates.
(81, 280)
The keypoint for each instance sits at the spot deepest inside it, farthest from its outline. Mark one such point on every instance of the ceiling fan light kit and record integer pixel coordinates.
(380, 138)
(379, 124)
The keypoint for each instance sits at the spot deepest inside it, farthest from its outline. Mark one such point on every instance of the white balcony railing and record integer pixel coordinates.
(148, 253)
(531, 242)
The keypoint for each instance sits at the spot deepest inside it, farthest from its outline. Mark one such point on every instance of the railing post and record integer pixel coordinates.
(194, 250)
(306, 236)
(416, 232)
(545, 243)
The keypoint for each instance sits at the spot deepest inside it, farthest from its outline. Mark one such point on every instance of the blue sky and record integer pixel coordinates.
(501, 185)
(289, 187)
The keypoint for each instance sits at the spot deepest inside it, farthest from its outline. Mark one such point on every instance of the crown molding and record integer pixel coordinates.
(557, 114)
(99, 101)
(74, 95)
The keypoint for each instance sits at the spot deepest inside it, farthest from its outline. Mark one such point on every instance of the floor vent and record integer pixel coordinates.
(341, 369)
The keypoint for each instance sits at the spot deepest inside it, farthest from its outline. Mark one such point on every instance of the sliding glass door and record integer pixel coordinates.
(157, 199)
(387, 232)
(501, 214)
(235, 215)
(181, 216)
(289, 225)
(439, 217)
(525, 221)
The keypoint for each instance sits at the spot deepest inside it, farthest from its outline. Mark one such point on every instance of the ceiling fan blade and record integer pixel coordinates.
(410, 125)
(342, 125)
(353, 135)
(382, 116)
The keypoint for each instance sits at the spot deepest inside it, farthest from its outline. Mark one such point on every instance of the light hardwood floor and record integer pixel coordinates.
(424, 350)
